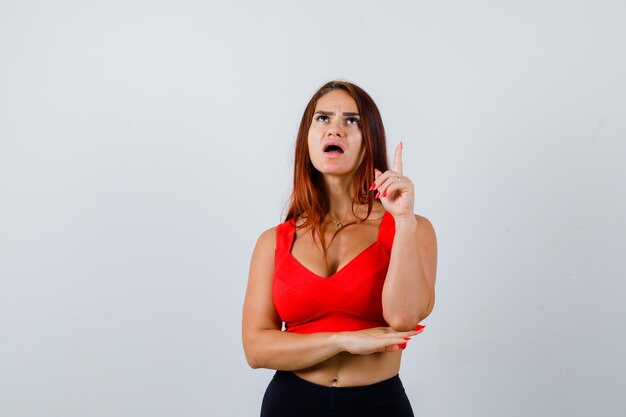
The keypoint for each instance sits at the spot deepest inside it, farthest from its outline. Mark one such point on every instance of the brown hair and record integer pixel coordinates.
(309, 198)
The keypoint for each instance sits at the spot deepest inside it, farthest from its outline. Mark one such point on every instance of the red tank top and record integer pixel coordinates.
(348, 300)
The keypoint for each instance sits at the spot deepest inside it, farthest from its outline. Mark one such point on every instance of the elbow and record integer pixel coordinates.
(405, 321)
(257, 350)
(251, 359)
(254, 361)
(402, 324)
(252, 355)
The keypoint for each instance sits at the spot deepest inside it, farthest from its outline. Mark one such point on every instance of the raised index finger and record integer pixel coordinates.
(397, 159)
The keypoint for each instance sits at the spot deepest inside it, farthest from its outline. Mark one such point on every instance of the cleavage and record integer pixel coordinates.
(342, 251)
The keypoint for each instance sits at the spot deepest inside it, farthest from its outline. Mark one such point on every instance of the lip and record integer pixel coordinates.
(334, 142)
(332, 155)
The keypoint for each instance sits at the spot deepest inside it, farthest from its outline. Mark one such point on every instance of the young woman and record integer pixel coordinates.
(350, 273)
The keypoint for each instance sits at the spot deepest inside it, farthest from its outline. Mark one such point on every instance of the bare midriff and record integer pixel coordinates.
(348, 370)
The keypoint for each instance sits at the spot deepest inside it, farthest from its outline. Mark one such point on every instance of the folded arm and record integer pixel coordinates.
(266, 346)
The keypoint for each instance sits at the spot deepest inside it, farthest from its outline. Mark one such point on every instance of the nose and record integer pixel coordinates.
(335, 129)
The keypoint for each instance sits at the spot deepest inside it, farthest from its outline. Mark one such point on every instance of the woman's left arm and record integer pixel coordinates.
(409, 290)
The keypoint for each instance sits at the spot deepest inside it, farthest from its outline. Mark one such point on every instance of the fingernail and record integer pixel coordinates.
(402, 346)
(401, 146)
(407, 338)
(418, 327)
(373, 186)
(377, 195)
(385, 194)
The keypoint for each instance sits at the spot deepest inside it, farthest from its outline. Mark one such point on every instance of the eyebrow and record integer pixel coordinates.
(332, 113)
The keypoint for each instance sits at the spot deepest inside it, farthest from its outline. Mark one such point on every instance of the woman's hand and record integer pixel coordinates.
(377, 339)
(395, 191)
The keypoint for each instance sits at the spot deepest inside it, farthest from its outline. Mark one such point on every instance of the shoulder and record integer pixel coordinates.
(426, 230)
(267, 239)
(263, 253)
(423, 222)
(274, 236)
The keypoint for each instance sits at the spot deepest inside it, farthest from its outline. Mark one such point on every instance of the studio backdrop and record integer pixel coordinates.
(145, 145)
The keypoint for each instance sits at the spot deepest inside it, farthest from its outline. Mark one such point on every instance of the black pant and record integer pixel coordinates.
(291, 396)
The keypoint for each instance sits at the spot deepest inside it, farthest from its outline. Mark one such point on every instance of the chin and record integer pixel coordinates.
(334, 169)
(331, 169)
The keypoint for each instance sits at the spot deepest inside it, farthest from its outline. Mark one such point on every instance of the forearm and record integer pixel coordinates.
(407, 297)
(275, 349)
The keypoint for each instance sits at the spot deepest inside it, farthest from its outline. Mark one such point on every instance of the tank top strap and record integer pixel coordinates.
(284, 239)
(387, 232)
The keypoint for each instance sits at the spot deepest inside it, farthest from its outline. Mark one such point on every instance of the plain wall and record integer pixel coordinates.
(145, 145)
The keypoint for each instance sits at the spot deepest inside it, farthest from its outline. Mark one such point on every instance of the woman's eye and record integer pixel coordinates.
(352, 121)
(321, 118)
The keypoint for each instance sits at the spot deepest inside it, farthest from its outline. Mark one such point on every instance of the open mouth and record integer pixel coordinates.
(333, 148)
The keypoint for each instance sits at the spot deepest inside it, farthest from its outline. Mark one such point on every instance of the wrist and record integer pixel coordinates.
(405, 220)
(338, 340)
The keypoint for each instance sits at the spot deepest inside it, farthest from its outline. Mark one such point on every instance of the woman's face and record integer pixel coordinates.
(335, 140)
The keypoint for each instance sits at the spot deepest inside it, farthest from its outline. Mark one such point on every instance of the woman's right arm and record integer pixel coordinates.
(267, 346)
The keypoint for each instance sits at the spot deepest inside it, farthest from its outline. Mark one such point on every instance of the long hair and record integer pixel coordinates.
(309, 197)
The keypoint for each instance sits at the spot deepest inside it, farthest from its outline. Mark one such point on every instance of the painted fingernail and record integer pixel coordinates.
(402, 346)
(407, 338)
(373, 186)
(377, 195)
(418, 327)
(385, 194)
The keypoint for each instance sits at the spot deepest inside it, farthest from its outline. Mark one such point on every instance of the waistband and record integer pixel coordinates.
(340, 398)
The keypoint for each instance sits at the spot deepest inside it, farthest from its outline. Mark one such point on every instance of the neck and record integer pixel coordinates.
(339, 196)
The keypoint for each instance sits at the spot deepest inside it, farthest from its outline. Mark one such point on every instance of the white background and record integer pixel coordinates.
(144, 146)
